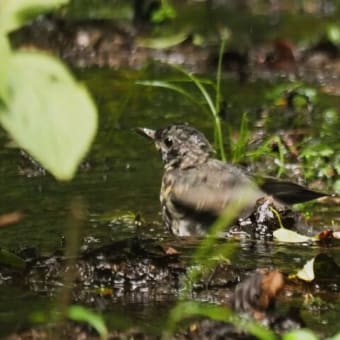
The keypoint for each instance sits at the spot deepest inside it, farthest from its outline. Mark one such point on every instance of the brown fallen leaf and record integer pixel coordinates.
(10, 218)
(171, 251)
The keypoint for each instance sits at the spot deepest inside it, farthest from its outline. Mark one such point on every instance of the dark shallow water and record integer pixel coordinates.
(119, 180)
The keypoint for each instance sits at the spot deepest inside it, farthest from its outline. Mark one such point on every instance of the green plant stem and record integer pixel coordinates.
(218, 129)
(278, 216)
(219, 75)
(219, 136)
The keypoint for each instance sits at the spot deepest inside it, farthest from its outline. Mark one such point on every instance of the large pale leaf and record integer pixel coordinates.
(5, 53)
(14, 13)
(49, 114)
(321, 267)
(307, 272)
(290, 236)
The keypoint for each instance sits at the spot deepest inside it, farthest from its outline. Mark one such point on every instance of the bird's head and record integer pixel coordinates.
(181, 146)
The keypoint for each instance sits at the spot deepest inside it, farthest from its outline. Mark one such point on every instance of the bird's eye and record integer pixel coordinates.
(168, 142)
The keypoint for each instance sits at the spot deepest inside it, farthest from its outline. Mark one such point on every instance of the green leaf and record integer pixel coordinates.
(289, 236)
(164, 41)
(14, 13)
(82, 314)
(336, 186)
(335, 337)
(5, 53)
(333, 34)
(166, 11)
(169, 86)
(300, 334)
(184, 310)
(11, 260)
(49, 114)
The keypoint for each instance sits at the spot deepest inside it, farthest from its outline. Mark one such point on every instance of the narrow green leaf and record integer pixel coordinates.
(169, 86)
(82, 314)
(204, 92)
(49, 114)
(9, 259)
(213, 110)
(14, 13)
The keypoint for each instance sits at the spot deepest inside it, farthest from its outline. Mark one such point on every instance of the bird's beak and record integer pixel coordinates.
(149, 133)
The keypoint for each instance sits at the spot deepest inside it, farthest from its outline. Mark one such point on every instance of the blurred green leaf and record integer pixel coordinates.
(49, 114)
(5, 53)
(300, 334)
(163, 41)
(239, 146)
(333, 34)
(82, 314)
(317, 150)
(336, 186)
(11, 260)
(14, 13)
(335, 337)
(185, 310)
(165, 12)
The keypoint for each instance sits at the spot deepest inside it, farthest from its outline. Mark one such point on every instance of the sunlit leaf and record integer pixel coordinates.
(307, 272)
(320, 267)
(49, 114)
(300, 334)
(14, 13)
(82, 314)
(290, 236)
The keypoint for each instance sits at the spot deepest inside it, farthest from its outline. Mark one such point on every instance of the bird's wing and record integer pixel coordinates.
(288, 192)
(210, 190)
